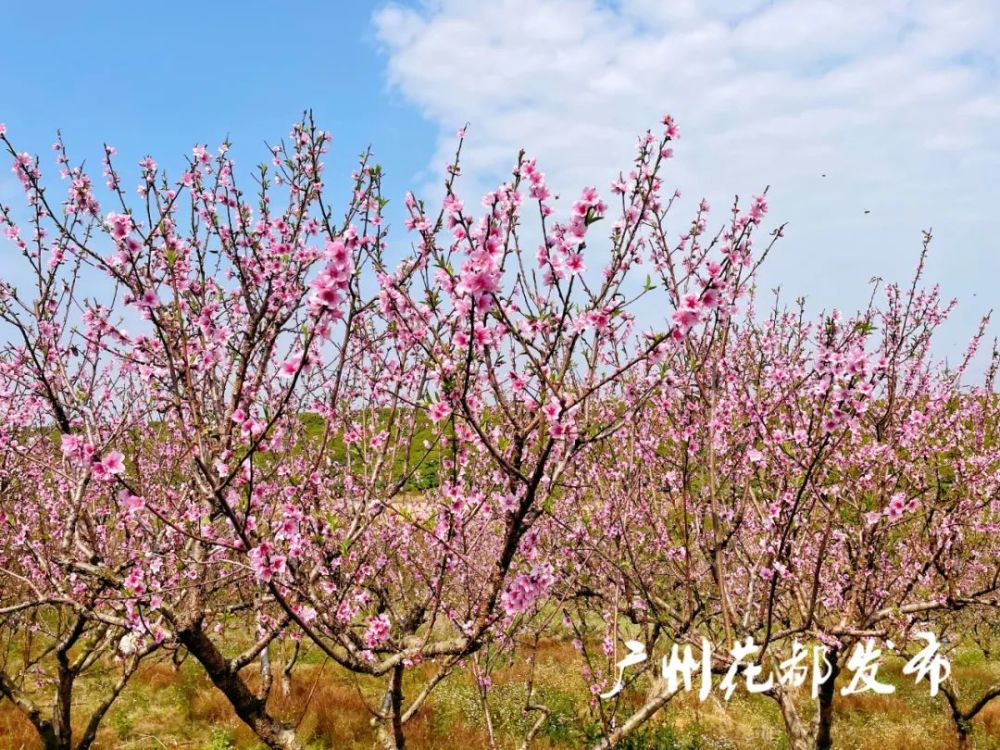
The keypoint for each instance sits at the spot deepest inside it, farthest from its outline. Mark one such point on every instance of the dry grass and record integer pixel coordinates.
(16, 733)
(173, 707)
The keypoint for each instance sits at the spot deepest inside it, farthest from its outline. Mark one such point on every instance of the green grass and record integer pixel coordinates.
(176, 707)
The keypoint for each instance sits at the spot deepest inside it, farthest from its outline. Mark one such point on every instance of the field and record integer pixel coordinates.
(174, 706)
(268, 480)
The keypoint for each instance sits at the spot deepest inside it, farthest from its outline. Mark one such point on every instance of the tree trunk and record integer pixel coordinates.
(636, 720)
(250, 708)
(286, 673)
(824, 715)
(963, 719)
(30, 710)
(816, 734)
(62, 730)
(389, 726)
(800, 734)
(50, 739)
(90, 731)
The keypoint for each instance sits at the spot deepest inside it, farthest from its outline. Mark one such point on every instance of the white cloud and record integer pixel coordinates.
(896, 101)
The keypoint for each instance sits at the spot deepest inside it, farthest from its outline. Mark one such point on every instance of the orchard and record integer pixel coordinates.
(243, 422)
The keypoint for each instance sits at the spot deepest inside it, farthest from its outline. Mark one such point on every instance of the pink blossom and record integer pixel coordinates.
(131, 503)
(266, 563)
(670, 129)
(289, 367)
(251, 428)
(438, 411)
(70, 445)
(897, 505)
(110, 465)
(378, 630)
(525, 590)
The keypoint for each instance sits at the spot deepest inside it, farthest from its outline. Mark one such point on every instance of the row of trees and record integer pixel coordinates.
(234, 418)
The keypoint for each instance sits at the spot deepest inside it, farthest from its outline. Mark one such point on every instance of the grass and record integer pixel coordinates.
(176, 707)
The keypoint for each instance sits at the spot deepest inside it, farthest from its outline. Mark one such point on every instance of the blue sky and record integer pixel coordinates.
(841, 106)
(157, 78)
